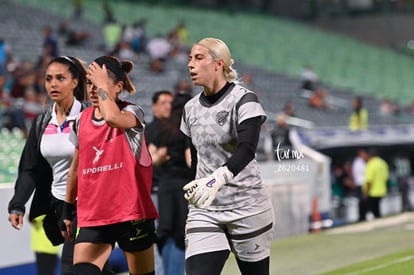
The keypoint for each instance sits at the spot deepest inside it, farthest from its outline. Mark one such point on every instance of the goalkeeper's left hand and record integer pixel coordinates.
(202, 192)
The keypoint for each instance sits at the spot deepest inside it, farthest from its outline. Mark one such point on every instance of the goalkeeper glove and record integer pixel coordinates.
(202, 192)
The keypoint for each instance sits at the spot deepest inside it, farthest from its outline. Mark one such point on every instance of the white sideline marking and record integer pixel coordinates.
(371, 225)
(381, 266)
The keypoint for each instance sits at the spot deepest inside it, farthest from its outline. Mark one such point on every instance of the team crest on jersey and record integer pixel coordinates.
(221, 117)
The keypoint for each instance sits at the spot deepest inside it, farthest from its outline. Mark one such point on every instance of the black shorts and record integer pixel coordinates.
(131, 236)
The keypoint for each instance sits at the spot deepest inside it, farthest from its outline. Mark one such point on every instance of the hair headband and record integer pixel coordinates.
(68, 59)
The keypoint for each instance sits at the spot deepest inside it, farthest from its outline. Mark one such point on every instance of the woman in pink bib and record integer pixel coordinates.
(111, 175)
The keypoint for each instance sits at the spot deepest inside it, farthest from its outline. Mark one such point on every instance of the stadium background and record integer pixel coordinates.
(355, 47)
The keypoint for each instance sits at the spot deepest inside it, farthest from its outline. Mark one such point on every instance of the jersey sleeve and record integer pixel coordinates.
(135, 135)
(249, 107)
(184, 125)
(138, 113)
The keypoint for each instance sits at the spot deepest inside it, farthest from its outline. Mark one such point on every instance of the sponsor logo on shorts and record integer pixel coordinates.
(138, 235)
(256, 250)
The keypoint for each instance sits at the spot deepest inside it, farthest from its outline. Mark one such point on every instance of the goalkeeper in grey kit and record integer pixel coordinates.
(229, 209)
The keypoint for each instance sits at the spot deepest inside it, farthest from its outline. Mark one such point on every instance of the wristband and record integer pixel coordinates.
(67, 211)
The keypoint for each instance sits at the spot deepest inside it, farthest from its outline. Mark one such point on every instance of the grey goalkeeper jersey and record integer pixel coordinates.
(213, 132)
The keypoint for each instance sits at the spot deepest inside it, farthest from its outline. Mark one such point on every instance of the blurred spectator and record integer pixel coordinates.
(39, 85)
(158, 49)
(63, 28)
(358, 173)
(123, 50)
(183, 86)
(77, 8)
(318, 99)
(25, 99)
(309, 78)
(289, 108)
(4, 100)
(411, 108)
(112, 33)
(387, 107)
(112, 29)
(177, 51)
(182, 32)
(173, 207)
(280, 136)
(343, 181)
(13, 117)
(108, 14)
(161, 110)
(31, 107)
(248, 81)
(375, 184)
(46, 254)
(24, 79)
(3, 90)
(73, 37)
(41, 63)
(337, 190)
(50, 44)
(135, 34)
(6, 56)
(359, 116)
(346, 180)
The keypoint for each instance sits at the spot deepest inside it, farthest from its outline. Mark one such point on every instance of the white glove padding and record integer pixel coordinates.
(202, 192)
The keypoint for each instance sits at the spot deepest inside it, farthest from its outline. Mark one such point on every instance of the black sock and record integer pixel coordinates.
(254, 268)
(86, 269)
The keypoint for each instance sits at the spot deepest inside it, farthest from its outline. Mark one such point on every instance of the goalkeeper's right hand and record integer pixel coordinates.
(202, 192)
